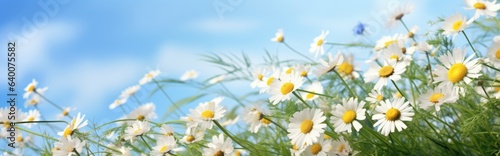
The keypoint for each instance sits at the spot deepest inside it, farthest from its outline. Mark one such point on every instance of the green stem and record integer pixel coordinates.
(300, 98)
(145, 142)
(230, 135)
(168, 97)
(345, 84)
(473, 49)
(400, 92)
(275, 123)
(306, 91)
(289, 47)
(52, 103)
(37, 134)
(487, 65)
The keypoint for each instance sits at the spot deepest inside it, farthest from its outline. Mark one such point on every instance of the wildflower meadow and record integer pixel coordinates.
(413, 92)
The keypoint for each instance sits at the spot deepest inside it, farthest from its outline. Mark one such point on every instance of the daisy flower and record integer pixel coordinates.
(130, 91)
(31, 88)
(348, 115)
(282, 89)
(138, 128)
(326, 67)
(341, 148)
(67, 145)
(190, 123)
(438, 96)
(306, 127)
(302, 69)
(319, 148)
(190, 74)
(164, 145)
(346, 69)
(390, 115)
(391, 70)
(65, 112)
(454, 24)
(33, 115)
(315, 87)
(117, 103)
(219, 146)
(258, 75)
(123, 151)
(192, 135)
(375, 97)
(278, 37)
(456, 68)
(143, 112)
(386, 41)
(149, 76)
(398, 13)
(254, 117)
(206, 112)
(266, 82)
(412, 32)
(483, 7)
(167, 130)
(216, 79)
(296, 150)
(394, 53)
(494, 53)
(75, 124)
(317, 45)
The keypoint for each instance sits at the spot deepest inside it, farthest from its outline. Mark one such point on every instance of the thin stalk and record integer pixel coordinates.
(145, 142)
(230, 135)
(289, 47)
(473, 49)
(301, 90)
(275, 123)
(345, 84)
(168, 97)
(302, 100)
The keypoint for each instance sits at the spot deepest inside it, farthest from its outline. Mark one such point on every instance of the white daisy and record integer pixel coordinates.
(315, 87)
(456, 69)
(117, 103)
(258, 75)
(391, 70)
(375, 97)
(75, 124)
(347, 115)
(190, 74)
(266, 82)
(219, 146)
(341, 148)
(192, 135)
(164, 145)
(391, 115)
(124, 151)
(333, 62)
(216, 79)
(317, 45)
(386, 41)
(320, 148)
(67, 145)
(130, 91)
(398, 13)
(303, 70)
(494, 53)
(438, 96)
(33, 115)
(278, 37)
(282, 89)
(296, 150)
(254, 117)
(143, 112)
(136, 129)
(35, 99)
(31, 88)
(190, 123)
(306, 127)
(413, 30)
(65, 112)
(206, 112)
(167, 130)
(454, 24)
(483, 7)
(149, 76)
(347, 69)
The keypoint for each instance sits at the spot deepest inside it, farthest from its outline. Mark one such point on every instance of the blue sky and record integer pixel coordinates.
(87, 52)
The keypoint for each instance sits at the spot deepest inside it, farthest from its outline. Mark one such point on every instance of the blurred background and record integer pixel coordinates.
(87, 52)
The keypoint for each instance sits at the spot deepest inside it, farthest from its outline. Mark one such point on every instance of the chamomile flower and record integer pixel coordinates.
(136, 129)
(397, 14)
(394, 53)
(149, 76)
(341, 147)
(438, 96)
(332, 63)
(302, 69)
(412, 32)
(124, 151)
(282, 89)
(192, 135)
(33, 115)
(454, 24)
(143, 112)
(164, 145)
(67, 146)
(188, 75)
(456, 68)
(31, 88)
(391, 70)
(190, 123)
(75, 124)
(306, 127)
(315, 87)
(494, 53)
(375, 97)
(206, 112)
(216, 79)
(258, 75)
(117, 103)
(390, 115)
(483, 7)
(219, 146)
(347, 115)
(386, 41)
(347, 69)
(266, 82)
(254, 117)
(130, 91)
(297, 150)
(65, 112)
(317, 45)
(278, 37)
(33, 101)
(167, 130)
(319, 148)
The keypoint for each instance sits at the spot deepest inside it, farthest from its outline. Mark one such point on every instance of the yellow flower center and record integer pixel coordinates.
(33, 102)
(163, 149)
(149, 75)
(270, 81)
(287, 88)
(295, 148)
(280, 38)
(190, 138)
(260, 76)
(320, 42)
(65, 113)
(20, 139)
(237, 153)
(326, 137)
(348, 116)
(31, 118)
(137, 131)
(289, 71)
(341, 148)
(457, 25)
(346, 68)
(497, 54)
(140, 117)
(388, 43)
(403, 50)
(479, 5)
(306, 126)
(219, 153)
(379, 97)
(392, 114)
(398, 95)
(31, 88)
(435, 97)
(303, 73)
(395, 57)
(309, 96)
(411, 35)
(386, 71)
(169, 134)
(457, 72)
(67, 131)
(6, 124)
(265, 121)
(315, 148)
(207, 114)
